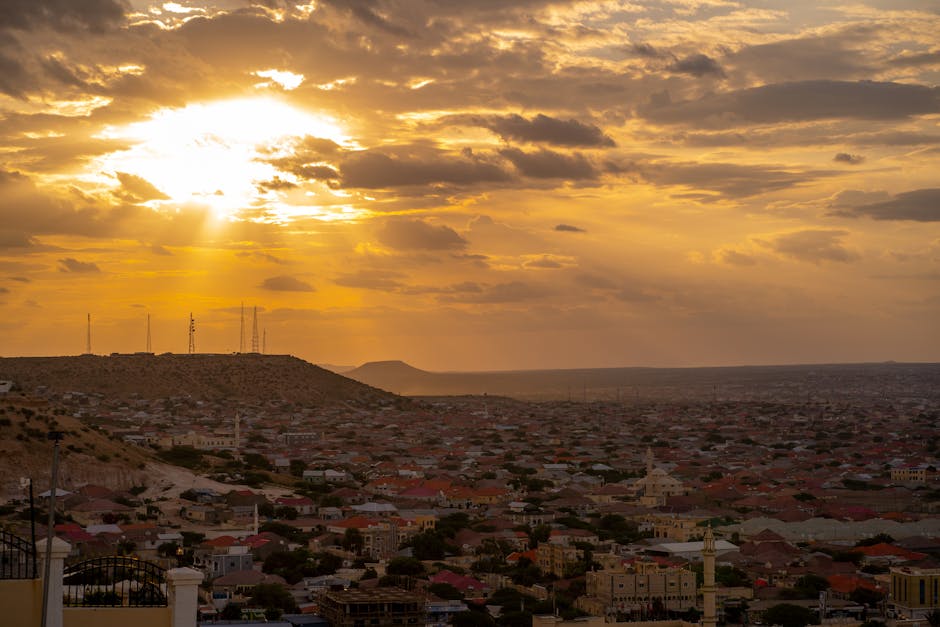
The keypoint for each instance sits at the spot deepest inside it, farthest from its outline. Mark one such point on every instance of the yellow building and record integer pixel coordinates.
(675, 527)
(915, 592)
(556, 558)
(637, 589)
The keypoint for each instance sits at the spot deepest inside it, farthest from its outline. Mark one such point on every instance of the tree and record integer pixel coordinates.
(408, 566)
(273, 596)
(286, 512)
(353, 540)
(473, 618)
(445, 591)
(788, 615)
(231, 611)
(297, 467)
(428, 545)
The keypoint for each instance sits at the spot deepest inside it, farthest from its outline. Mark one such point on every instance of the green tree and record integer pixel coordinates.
(353, 540)
(231, 611)
(272, 596)
(788, 615)
(297, 467)
(445, 591)
(472, 618)
(408, 566)
(428, 545)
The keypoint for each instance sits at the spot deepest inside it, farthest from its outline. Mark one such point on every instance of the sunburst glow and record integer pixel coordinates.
(214, 153)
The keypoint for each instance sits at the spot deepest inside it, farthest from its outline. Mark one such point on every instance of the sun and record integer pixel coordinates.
(214, 153)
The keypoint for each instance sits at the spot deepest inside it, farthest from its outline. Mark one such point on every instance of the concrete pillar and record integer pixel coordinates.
(53, 602)
(182, 589)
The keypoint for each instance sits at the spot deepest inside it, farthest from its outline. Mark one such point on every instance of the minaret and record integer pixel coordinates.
(649, 461)
(710, 617)
(192, 334)
(88, 337)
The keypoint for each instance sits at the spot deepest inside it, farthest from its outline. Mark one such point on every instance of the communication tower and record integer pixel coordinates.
(254, 330)
(88, 337)
(192, 334)
(241, 331)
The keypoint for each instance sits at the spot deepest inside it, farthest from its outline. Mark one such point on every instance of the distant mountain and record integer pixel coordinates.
(394, 376)
(240, 377)
(778, 383)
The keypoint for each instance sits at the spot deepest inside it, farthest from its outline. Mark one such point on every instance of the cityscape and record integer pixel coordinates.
(300, 495)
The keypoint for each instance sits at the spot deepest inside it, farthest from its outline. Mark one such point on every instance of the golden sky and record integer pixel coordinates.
(474, 184)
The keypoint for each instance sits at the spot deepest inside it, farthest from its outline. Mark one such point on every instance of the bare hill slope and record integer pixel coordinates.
(210, 377)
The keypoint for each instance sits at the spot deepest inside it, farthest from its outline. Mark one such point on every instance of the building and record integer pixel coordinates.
(915, 474)
(638, 589)
(376, 607)
(556, 558)
(915, 592)
(657, 485)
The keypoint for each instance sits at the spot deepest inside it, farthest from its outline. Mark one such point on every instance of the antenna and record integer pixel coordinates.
(241, 331)
(254, 330)
(88, 337)
(149, 347)
(192, 334)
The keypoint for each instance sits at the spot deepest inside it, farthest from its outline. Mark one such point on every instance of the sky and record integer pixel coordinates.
(473, 184)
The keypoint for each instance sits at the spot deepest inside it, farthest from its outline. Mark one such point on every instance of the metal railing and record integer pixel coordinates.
(17, 557)
(114, 581)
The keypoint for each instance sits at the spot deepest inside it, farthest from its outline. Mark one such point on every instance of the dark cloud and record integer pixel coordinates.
(514, 291)
(735, 257)
(548, 164)
(569, 228)
(157, 249)
(645, 50)
(844, 157)
(285, 283)
(403, 234)
(545, 129)
(73, 265)
(276, 184)
(919, 205)
(917, 59)
(4, 290)
(138, 189)
(62, 15)
(697, 65)
(727, 179)
(800, 101)
(544, 262)
(14, 79)
(381, 280)
(371, 170)
(812, 245)
(20, 279)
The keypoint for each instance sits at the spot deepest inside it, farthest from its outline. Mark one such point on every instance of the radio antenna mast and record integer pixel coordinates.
(192, 334)
(254, 330)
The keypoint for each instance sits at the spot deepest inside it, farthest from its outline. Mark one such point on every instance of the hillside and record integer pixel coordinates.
(206, 377)
(86, 454)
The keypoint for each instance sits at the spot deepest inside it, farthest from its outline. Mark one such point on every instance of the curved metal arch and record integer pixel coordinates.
(114, 581)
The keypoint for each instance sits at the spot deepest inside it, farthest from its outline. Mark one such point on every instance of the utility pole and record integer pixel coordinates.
(55, 436)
